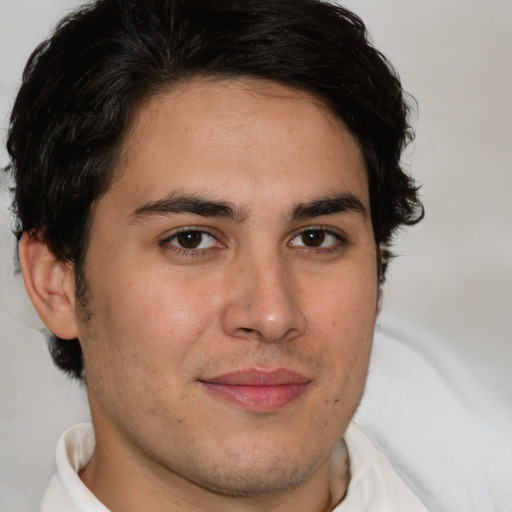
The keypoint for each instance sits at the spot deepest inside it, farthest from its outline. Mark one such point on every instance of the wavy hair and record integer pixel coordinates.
(82, 85)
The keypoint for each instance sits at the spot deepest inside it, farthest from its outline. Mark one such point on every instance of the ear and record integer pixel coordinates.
(50, 285)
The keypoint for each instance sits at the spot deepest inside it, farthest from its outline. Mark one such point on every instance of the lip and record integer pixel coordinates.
(258, 390)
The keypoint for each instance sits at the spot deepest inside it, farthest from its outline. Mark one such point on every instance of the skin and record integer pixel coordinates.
(262, 290)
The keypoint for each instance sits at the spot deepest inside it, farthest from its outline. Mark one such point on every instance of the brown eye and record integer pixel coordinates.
(189, 239)
(192, 240)
(318, 238)
(313, 237)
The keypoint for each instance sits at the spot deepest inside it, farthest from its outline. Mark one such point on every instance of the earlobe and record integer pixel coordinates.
(50, 285)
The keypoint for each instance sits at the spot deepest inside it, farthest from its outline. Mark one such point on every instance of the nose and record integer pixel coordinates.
(263, 302)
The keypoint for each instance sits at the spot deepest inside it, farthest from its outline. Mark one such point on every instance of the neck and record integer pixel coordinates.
(128, 481)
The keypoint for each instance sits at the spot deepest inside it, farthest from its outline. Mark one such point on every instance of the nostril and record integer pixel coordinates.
(249, 334)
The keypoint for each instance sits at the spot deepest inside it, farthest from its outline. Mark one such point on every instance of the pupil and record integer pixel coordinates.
(313, 238)
(189, 239)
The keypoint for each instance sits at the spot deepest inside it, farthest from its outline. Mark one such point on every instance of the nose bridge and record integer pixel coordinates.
(263, 302)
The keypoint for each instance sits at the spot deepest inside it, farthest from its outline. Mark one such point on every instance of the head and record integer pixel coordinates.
(116, 73)
(82, 86)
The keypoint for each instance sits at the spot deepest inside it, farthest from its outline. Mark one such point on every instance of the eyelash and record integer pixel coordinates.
(168, 244)
(341, 241)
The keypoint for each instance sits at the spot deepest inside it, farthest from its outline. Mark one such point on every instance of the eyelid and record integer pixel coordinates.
(328, 230)
(341, 240)
(192, 228)
(167, 240)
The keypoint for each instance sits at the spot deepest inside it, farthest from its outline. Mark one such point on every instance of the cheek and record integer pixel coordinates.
(345, 303)
(158, 310)
(141, 326)
(344, 319)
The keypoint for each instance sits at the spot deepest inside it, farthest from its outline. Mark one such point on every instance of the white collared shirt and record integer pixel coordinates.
(374, 485)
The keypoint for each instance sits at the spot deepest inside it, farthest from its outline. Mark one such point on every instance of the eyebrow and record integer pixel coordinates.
(330, 206)
(177, 203)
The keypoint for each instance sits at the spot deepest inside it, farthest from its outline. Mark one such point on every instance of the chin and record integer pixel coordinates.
(245, 486)
(258, 477)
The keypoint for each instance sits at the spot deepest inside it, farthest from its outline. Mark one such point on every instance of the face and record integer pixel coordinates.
(232, 288)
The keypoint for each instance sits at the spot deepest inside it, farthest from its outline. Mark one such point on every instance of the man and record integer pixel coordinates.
(206, 193)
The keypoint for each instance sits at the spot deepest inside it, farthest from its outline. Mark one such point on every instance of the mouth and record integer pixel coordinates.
(258, 390)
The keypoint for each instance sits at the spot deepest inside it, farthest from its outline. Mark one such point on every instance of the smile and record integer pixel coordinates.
(256, 390)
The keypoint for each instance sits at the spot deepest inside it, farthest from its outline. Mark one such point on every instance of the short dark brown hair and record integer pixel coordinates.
(82, 85)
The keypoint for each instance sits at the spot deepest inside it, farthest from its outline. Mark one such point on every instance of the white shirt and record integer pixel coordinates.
(374, 485)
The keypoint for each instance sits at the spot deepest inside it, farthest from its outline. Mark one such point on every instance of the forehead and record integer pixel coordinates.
(247, 135)
(238, 94)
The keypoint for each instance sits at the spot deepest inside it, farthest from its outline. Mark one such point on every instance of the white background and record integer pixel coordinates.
(453, 277)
